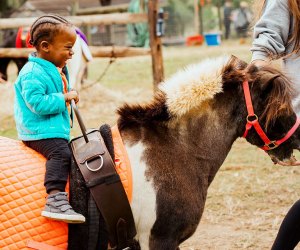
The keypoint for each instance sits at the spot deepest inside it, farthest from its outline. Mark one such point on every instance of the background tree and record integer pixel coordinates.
(8, 6)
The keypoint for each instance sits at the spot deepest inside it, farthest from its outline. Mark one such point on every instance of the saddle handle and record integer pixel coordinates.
(80, 121)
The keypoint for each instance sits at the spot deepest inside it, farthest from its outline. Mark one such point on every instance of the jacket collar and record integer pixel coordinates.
(46, 64)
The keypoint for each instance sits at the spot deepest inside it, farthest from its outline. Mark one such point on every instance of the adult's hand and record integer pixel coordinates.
(260, 63)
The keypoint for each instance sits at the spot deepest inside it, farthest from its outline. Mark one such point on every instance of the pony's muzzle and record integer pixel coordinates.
(292, 161)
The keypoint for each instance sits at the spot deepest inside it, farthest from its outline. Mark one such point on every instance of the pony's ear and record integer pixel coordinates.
(267, 78)
(233, 72)
(279, 92)
(234, 64)
(240, 64)
(237, 63)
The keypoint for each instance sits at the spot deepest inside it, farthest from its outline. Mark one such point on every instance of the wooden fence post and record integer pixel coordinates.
(155, 44)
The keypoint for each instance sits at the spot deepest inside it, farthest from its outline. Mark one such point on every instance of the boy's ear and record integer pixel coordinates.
(44, 45)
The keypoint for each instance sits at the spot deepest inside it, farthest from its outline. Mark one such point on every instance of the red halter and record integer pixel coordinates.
(252, 120)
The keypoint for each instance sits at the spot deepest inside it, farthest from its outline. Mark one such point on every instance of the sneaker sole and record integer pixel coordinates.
(72, 219)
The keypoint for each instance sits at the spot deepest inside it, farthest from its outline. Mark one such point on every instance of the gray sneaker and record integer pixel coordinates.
(58, 208)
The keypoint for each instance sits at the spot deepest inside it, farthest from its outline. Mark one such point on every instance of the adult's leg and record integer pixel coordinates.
(289, 232)
(58, 157)
(227, 28)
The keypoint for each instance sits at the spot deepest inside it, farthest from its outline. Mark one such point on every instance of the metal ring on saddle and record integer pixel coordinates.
(94, 170)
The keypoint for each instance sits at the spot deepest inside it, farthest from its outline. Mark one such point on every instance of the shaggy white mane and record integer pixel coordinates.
(188, 88)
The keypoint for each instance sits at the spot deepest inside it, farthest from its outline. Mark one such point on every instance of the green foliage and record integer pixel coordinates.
(7, 6)
(210, 18)
(137, 33)
(181, 14)
(218, 2)
(184, 8)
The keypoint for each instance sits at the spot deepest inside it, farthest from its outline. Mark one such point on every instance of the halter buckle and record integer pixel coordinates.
(271, 145)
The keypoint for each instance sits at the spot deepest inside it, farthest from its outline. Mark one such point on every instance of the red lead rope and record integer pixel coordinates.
(252, 120)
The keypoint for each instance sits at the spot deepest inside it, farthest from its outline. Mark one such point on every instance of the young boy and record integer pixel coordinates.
(42, 100)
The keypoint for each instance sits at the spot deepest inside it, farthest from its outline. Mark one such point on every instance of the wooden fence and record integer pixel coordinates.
(97, 51)
(105, 51)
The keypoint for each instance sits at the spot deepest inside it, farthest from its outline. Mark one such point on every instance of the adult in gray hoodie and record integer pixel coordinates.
(277, 35)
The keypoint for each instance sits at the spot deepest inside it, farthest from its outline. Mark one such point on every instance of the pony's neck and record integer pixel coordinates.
(193, 145)
(208, 139)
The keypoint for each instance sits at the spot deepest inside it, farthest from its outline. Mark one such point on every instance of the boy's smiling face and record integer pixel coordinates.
(59, 51)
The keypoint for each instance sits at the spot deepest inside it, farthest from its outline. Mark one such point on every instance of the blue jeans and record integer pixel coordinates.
(58, 155)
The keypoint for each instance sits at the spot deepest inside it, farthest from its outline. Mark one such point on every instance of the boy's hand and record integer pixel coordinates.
(72, 95)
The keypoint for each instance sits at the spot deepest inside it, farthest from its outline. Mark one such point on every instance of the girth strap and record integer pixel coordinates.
(99, 173)
(106, 189)
(110, 179)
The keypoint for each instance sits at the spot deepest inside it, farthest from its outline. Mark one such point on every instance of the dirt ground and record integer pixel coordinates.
(247, 200)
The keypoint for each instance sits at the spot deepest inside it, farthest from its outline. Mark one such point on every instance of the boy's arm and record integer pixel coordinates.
(36, 99)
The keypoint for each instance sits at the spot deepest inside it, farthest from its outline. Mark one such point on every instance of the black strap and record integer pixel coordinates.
(110, 179)
(106, 188)
(93, 222)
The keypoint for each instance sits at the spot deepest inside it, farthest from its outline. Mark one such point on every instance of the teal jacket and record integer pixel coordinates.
(40, 108)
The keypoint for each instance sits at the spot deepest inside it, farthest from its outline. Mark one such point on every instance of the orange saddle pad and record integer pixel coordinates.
(22, 197)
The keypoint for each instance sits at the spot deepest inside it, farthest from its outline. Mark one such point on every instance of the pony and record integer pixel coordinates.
(77, 66)
(9, 41)
(177, 142)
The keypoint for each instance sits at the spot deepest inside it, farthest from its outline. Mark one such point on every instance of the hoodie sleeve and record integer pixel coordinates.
(271, 32)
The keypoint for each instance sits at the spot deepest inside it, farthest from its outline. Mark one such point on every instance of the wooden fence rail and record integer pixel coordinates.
(97, 51)
(105, 19)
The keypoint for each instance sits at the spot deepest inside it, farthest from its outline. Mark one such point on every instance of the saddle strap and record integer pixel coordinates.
(99, 173)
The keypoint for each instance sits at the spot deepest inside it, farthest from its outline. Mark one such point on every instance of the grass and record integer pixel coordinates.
(7, 128)
(249, 196)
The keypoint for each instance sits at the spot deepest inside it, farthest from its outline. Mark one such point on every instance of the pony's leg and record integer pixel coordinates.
(74, 65)
(162, 243)
(81, 72)
(3, 68)
(170, 243)
(175, 223)
(20, 62)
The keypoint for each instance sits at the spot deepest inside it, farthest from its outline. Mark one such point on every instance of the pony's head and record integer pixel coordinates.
(214, 88)
(270, 92)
